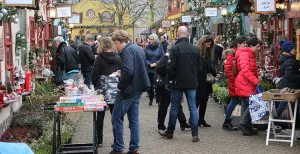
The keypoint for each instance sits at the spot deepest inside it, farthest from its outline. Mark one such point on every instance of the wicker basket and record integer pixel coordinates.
(274, 94)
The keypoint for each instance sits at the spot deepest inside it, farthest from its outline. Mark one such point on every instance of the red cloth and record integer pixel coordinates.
(229, 74)
(247, 79)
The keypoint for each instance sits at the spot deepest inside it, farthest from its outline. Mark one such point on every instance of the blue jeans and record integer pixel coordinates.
(87, 78)
(131, 107)
(281, 108)
(233, 102)
(176, 95)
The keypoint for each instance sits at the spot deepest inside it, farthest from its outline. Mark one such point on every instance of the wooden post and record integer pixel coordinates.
(298, 43)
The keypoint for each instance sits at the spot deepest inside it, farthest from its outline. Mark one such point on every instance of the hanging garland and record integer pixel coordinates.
(232, 27)
(21, 43)
(8, 14)
(222, 2)
(269, 38)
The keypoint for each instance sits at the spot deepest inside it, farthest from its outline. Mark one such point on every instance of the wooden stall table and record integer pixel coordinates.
(272, 96)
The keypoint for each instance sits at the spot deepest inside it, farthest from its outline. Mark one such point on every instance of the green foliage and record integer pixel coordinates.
(43, 94)
(266, 85)
(221, 93)
(44, 144)
(21, 43)
(223, 81)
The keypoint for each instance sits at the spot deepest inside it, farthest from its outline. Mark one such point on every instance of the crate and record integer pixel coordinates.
(274, 94)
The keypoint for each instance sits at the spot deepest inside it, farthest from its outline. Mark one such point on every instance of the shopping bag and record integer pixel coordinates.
(237, 111)
(257, 107)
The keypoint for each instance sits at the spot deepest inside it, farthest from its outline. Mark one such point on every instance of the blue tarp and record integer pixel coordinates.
(14, 148)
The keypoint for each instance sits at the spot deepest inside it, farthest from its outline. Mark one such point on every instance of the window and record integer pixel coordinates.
(8, 52)
(106, 17)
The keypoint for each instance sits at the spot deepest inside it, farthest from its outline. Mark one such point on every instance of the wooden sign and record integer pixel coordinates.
(211, 12)
(64, 11)
(166, 23)
(30, 3)
(265, 6)
(298, 43)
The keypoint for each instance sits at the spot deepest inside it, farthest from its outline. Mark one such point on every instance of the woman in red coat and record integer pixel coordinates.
(246, 81)
(230, 53)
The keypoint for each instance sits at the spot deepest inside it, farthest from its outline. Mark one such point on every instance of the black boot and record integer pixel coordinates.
(245, 130)
(204, 124)
(100, 140)
(228, 126)
(184, 125)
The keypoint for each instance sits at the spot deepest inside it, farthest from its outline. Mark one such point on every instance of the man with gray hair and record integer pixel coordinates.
(67, 60)
(87, 59)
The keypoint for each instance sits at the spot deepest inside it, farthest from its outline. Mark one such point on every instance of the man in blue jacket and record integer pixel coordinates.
(133, 81)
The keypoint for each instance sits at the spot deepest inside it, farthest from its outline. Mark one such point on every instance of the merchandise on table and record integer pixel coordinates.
(68, 109)
(70, 104)
(77, 99)
(100, 108)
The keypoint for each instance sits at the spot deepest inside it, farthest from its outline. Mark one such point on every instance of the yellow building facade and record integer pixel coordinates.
(96, 18)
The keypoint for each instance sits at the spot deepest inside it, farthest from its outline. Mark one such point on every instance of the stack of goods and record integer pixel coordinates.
(80, 103)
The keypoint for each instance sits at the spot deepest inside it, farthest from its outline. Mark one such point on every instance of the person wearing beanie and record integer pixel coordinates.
(289, 70)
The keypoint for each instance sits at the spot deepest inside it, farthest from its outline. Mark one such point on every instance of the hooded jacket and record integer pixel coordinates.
(105, 64)
(289, 71)
(228, 70)
(247, 79)
(66, 57)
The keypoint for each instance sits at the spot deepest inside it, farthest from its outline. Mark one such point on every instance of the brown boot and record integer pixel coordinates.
(135, 152)
(116, 152)
(166, 134)
(196, 139)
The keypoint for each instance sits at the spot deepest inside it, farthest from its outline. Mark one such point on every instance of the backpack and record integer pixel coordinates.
(234, 66)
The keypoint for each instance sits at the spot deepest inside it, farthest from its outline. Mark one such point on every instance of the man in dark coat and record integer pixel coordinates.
(133, 81)
(87, 59)
(66, 59)
(182, 69)
(164, 43)
(74, 45)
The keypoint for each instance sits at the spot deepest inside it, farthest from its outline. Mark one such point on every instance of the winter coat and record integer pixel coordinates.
(289, 70)
(165, 45)
(87, 58)
(134, 77)
(205, 88)
(228, 71)
(105, 64)
(66, 57)
(183, 64)
(247, 78)
(218, 49)
(153, 54)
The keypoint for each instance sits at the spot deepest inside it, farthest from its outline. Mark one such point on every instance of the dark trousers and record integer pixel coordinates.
(151, 90)
(201, 102)
(165, 98)
(87, 78)
(100, 123)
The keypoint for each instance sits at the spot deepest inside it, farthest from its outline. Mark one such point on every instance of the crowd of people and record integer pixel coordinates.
(166, 72)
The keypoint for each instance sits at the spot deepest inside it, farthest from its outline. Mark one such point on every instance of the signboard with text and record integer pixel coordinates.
(75, 19)
(265, 6)
(64, 12)
(211, 12)
(186, 19)
(165, 23)
(30, 3)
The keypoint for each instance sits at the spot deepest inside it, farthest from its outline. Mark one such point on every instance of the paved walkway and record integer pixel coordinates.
(213, 140)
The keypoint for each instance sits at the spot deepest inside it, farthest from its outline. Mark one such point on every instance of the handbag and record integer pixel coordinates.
(210, 78)
(158, 81)
(237, 111)
(60, 76)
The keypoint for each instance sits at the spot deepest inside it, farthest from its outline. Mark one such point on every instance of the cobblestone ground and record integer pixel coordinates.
(213, 140)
